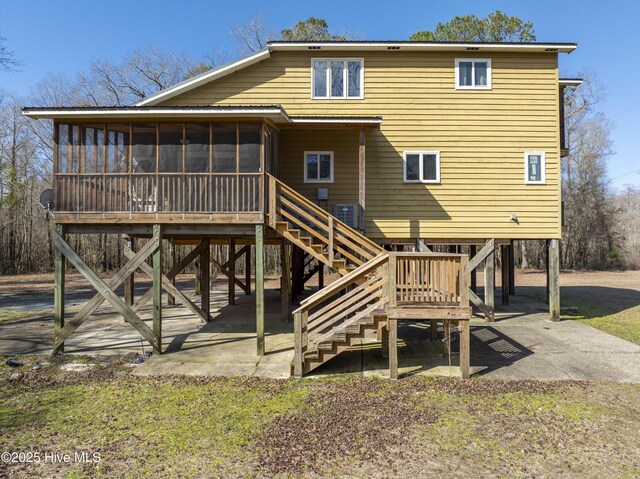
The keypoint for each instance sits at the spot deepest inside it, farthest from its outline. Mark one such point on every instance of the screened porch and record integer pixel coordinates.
(172, 171)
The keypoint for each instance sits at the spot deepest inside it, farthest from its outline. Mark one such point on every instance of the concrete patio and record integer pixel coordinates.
(521, 344)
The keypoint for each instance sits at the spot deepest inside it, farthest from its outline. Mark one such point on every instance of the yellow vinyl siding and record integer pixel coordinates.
(343, 143)
(481, 135)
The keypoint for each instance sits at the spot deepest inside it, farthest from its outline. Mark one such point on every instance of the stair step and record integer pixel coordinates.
(339, 264)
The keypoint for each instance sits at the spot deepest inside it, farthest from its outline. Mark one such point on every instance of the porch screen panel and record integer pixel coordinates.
(197, 148)
(170, 148)
(92, 150)
(224, 139)
(118, 148)
(249, 149)
(63, 148)
(144, 148)
(224, 148)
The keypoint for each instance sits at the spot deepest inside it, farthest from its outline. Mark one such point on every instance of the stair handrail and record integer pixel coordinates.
(333, 225)
(342, 282)
(301, 314)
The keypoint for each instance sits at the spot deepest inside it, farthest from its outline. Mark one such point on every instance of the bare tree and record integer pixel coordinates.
(8, 60)
(140, 74)
(252, 35)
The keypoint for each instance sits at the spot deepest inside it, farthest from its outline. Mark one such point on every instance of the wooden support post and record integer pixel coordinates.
(285, 280)
(171, 299)
(384, 338)
(297, 272)
(205, 285)
(299, 342)
(59, 264)
(393, 348)
(554, 279)
(129, 283)
(157, 287)
(504, 260)
(361, 177)
(489, 285)
(512, 269)
(433, 329)
(465, 349)
(260, 288)
(474, 272)
(546, 268)
(196, 265)
(247, 271)
(232, 271)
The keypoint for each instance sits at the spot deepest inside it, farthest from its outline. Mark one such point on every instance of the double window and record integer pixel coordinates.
(422, 167)
(534, 167)
(473, 74)
(318, 166)
(337, 78)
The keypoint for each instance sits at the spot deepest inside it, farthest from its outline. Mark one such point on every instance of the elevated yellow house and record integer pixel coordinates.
(362, 155)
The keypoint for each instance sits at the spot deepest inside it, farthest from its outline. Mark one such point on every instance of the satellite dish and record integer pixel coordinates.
(46, 199)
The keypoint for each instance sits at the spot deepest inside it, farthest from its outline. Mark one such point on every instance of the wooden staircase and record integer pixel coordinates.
(340, 315)
(317, 232)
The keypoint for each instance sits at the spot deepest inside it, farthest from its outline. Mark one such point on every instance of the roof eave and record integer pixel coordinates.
(204, 78)
(423, 46)
(276, 113)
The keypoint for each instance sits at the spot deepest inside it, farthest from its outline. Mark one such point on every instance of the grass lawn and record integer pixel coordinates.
(234, 427)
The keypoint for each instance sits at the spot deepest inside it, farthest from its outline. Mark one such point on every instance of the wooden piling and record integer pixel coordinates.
(554, 279)
(260, 289)
(59, 265)
(232, 271)
(129, 282)
(489, 285)
(205, 286)
(157, 286)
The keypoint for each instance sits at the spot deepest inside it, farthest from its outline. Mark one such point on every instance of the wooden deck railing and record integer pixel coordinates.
(435, 279)
(162, 192)
(285, 204)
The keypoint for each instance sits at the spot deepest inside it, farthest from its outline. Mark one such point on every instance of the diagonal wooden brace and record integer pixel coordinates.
(136, 260)
(170, 288)
(486, 250)
(103, 288)
(225, 270)
(474, 262)
(177, 269)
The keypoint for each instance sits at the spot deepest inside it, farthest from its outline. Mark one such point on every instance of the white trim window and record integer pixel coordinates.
(318, 166)
(535, 167)
(337, 78)
(473, 74)
(421, 167)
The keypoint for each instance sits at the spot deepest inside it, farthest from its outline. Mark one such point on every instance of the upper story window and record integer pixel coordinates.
(337, 78)
(534, 167)
(422, 167)
(473, 74)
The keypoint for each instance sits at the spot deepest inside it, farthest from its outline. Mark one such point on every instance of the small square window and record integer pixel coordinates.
(318, 167)
(534, 167)
(473, 74)
(422, 167)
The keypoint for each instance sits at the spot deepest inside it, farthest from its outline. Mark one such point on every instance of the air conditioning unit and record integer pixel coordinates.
(348, 214)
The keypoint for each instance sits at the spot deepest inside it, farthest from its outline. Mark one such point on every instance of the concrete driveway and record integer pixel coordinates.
(521, 344)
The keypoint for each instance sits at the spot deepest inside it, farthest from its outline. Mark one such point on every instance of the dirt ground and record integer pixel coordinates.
(179, 426)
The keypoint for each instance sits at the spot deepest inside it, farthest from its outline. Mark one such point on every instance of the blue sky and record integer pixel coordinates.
(65, 36)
